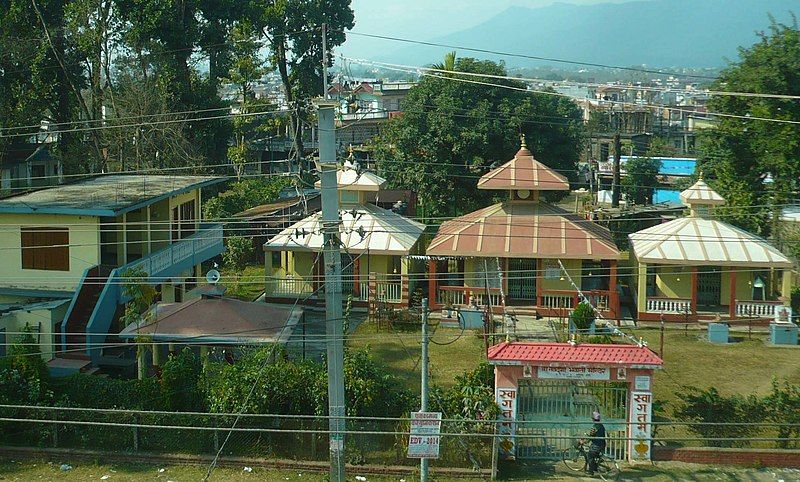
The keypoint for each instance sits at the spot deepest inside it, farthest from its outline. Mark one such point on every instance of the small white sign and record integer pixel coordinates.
(423, 441)
(574, 373)
(621, 373)
(527, 371)
(641, 382)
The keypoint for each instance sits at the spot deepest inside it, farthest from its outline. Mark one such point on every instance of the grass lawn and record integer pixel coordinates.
(250, 284)
(745, 367)
(400, 351)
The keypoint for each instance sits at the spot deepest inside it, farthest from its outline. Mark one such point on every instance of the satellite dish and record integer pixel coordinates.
(213, 277)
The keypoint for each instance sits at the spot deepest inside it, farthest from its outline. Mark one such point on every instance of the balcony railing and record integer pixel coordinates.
(460, 295)
(290, 286)
(170, 261)
(757, 309)
(669, 305)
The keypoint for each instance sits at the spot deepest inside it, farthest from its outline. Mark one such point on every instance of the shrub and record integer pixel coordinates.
(583, 315)
(782, 406)
(709, 406)
(181, 382)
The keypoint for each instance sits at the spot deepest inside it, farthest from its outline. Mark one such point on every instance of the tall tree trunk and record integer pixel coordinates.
(294, 110)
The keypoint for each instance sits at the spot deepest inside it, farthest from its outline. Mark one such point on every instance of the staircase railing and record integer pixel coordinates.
(169, 261)
(74, 302)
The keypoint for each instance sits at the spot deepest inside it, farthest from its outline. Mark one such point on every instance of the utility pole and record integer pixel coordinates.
(423, 463)
(615, 188)
(324, 60)
(333, 285)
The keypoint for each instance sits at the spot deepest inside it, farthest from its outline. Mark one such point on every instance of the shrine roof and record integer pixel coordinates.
(566, 354)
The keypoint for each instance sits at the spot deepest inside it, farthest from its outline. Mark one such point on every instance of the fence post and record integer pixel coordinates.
(136, 435)
(495, 450)
(55, 429)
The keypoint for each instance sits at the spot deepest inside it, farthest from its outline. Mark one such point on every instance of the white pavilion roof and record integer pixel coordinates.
(697, 241)
(701, 193)
(384, 232)
(349, 178)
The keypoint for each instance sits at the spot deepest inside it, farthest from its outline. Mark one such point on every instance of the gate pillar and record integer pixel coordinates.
(640, 415)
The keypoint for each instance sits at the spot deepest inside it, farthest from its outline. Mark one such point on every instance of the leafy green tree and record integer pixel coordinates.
(246, 68)
(739, 153)
(243, 195)
(641, 179)
(452, 132)
(23, 372)
(292, 29)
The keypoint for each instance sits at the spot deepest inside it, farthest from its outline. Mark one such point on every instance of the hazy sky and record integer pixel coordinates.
(425, 19)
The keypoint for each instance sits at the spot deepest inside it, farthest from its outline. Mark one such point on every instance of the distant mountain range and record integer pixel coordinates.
(656, 33)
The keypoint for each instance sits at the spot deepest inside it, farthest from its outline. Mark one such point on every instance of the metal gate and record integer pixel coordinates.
(709, 286)
(522, 279)
(557, 405)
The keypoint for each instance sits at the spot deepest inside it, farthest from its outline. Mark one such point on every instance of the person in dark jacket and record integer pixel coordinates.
(597, 442)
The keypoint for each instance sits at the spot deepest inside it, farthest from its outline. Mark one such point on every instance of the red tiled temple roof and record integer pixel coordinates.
(523, 229)
(632, 356)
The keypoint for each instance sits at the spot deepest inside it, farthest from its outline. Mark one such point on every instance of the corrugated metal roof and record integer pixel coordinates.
(524, 172)
(565, 353)
(523, 229)
(385, 232)
(697, 241)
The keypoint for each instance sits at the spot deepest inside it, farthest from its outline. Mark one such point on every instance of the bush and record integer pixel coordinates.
(181, 382)
(81, 390)
(783, 407)
(709, 406)
(583, 315)
(243, 195)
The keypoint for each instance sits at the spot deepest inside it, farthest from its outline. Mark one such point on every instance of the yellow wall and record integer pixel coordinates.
(674, 281)
(84, 251)
(573, 267)
(744, 288)
(43, 320)
(159, 224)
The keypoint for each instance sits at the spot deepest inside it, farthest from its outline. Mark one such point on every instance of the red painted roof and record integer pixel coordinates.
(523, 229)
(524, 172)
(581, 354)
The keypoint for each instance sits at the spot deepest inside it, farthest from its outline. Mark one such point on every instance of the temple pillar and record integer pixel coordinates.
(732, 300)
(432, 282)
(694, 290)
(786, 286)
(612, 287)
(641, 288)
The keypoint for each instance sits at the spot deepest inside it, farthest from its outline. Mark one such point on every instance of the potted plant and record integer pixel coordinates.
(583, 318)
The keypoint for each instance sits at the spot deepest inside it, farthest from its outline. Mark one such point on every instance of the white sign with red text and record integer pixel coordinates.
(641, 420)
(574, 373)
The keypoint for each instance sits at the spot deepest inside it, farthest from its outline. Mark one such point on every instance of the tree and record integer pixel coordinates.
(641, 180)
(181, 382)
(243, 195)
(452, 132)
(238, 252)
(246, 68)
(292, 28)
(739, 153)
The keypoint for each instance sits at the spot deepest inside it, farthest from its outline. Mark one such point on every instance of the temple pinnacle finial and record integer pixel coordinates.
(350, 150)
(522, 143)
(701, 176)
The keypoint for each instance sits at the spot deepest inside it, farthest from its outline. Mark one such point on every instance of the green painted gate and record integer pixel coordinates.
(709, 286)
(522, 279)
(557, 404)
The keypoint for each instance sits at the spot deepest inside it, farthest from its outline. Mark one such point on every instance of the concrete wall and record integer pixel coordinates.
(84, 251)
(44, 320)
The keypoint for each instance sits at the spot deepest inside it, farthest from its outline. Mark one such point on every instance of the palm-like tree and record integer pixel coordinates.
(449, 63)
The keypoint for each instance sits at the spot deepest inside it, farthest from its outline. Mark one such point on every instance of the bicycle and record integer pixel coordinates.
(576, 458)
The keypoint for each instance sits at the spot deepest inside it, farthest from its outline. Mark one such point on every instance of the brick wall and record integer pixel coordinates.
(725, 456)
